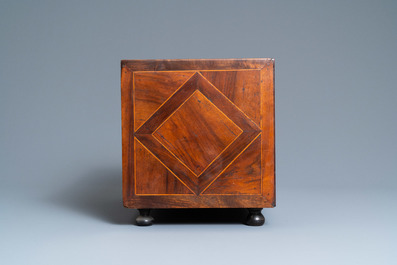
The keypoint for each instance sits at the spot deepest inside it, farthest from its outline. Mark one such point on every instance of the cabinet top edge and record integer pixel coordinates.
(201, 59)
(196, 64)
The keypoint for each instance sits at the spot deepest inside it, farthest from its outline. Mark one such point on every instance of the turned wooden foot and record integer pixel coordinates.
(255, 217)
(144, 218)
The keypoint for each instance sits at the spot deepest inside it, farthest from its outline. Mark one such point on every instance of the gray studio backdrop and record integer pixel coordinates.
(60, 135)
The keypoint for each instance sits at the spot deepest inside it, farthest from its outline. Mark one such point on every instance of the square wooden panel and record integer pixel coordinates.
(198, 133)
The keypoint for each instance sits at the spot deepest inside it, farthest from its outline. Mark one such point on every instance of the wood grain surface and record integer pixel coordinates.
(198, 133)
(152, 171)
(243, 176)
(152, 89)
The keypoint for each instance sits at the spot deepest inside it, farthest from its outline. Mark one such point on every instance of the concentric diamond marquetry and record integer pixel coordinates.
(197, 132)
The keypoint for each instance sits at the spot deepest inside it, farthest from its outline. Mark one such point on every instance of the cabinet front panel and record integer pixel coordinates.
(198, 138)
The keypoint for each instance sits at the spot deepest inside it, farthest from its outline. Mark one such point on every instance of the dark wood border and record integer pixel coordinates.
(127, 129)
(268, 133)
(193, 201)
(194, 64)
(267, 200)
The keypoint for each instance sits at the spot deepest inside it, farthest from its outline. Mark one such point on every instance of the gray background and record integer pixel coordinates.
(60, 133)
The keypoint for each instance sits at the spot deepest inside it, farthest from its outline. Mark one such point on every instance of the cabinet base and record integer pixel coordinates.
(255, 217)
(144, 218)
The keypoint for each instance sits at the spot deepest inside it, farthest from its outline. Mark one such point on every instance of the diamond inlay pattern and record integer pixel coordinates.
(197, 133)
(197, 110)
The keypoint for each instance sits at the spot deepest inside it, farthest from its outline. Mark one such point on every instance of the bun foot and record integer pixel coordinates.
(144, 218)
(255, 217)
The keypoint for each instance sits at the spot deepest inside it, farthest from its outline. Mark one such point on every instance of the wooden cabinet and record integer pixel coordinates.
(198, 134)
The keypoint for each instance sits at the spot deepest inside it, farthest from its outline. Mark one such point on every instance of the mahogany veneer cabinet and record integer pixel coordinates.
(198, 134)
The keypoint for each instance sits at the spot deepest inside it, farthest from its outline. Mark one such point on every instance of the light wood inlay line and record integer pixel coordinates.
(165, 166)
(189, 194)
(154, 136)
(178, 71)
(183, 93)
(221, 152)
(177, 168)
(230, 100)
(241, 130)
(261, 115)
(162, 103)
(158, 127)
(133, 127)
(201, 193)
